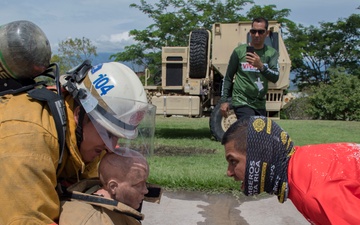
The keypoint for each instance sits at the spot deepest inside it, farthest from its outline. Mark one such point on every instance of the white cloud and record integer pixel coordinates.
(120, 37)
(113, 42)
(107, 22)
(115, 38)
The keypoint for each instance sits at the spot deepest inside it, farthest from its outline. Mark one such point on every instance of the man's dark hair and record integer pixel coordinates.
(237, 132)
(260, 20)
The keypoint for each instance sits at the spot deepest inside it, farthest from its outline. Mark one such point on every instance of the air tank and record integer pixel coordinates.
(24, 50)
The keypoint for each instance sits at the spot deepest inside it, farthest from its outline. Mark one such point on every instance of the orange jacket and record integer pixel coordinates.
(324, 183)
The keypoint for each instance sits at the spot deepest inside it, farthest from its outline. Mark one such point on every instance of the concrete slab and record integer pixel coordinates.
(188, 208)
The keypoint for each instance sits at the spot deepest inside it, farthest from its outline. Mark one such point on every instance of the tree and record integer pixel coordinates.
(314, 50)
(269, 12)
(175, 19)
(72, 52)
(59, 60)
(339, 99)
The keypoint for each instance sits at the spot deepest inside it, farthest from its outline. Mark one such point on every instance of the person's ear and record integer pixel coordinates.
(267, 33)
(77, 114)
(112, 185)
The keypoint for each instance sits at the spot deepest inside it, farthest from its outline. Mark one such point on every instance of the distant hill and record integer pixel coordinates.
(103, 57)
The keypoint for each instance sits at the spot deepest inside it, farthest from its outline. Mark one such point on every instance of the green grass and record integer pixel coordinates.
(187, 167)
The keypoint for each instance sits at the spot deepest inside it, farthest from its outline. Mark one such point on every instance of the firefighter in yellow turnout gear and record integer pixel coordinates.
(101, 104)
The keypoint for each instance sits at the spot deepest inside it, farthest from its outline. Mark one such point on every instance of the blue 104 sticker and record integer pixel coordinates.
(101, 83)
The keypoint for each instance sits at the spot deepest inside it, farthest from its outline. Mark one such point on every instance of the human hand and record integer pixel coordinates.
(224, 108)
(254, 60)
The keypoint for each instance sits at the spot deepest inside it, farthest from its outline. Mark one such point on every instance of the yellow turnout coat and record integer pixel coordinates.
(29, 155)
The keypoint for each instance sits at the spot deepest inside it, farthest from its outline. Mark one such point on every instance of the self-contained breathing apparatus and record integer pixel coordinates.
(25, 54)
(111, 94)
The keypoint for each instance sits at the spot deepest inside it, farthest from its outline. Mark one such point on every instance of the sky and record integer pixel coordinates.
(107, 22)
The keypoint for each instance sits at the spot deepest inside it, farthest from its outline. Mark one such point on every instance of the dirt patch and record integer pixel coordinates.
(181, 151)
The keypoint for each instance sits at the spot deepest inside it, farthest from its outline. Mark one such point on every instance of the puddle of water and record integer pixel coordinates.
(197, 208)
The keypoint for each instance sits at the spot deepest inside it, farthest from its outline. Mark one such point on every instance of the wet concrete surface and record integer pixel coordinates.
(196, 208)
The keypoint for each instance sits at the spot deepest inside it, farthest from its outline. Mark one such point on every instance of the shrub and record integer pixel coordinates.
(296, 109)
(338, 100)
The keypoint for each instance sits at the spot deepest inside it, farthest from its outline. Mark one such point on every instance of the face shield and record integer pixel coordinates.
(132, 126)
(115, 101)
(128, 152)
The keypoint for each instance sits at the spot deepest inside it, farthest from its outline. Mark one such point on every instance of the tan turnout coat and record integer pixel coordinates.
(87, 209)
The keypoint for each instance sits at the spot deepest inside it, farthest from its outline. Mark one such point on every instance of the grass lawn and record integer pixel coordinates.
(187, 157)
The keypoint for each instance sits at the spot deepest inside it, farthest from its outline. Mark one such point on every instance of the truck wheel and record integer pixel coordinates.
(198, 53)
(219, 124)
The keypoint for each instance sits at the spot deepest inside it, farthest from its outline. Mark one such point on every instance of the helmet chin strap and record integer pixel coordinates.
(76, 75)
(79, 127)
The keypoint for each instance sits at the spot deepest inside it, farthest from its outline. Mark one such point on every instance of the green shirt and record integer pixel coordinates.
(245, 83)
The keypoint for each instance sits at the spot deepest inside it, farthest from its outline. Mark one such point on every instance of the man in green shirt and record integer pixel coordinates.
(247, 75)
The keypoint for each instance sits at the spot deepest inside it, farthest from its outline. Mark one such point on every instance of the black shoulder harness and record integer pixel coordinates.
(39, 92)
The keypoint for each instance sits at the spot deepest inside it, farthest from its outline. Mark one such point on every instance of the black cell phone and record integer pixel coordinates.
(250, 49)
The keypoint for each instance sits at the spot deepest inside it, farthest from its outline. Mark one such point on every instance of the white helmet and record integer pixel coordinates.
(114, 99)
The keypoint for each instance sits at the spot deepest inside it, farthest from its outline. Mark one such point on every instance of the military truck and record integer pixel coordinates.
(191, 76)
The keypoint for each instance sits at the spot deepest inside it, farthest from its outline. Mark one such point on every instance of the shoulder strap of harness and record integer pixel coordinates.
(57, 108)
(12, 86)
(103, 202)
(54, 101)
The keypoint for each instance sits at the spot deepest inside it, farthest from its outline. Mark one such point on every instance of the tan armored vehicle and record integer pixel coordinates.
(191, 76)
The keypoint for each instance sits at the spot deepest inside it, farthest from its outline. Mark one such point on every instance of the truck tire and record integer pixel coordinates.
(219, 124)
(198, 53)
